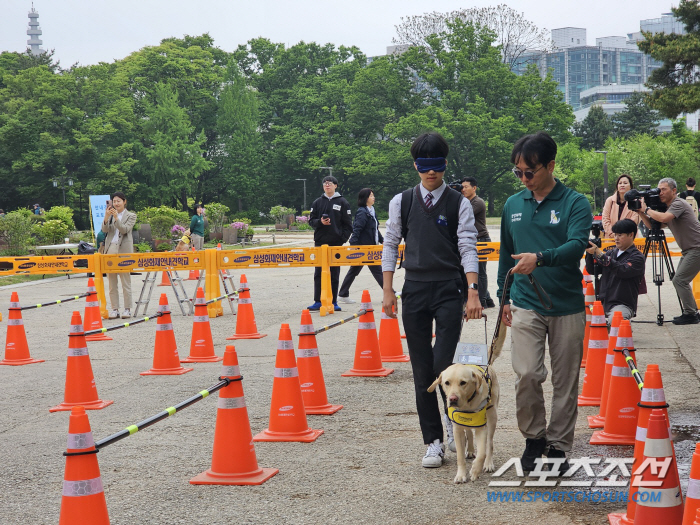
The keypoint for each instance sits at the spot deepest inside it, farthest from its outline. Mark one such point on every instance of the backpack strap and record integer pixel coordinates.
(406, 203)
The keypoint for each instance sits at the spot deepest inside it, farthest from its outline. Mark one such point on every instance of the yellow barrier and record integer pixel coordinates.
(268, 257)
(46, 264)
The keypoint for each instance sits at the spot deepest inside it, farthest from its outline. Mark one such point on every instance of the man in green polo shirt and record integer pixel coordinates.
(544, 232)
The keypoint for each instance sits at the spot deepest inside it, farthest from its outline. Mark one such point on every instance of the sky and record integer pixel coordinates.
(88, 32)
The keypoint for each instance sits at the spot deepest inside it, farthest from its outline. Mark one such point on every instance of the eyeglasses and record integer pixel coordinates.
(328, 183)
(528, 173)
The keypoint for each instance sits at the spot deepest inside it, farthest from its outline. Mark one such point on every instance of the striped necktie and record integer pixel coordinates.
(429, 201)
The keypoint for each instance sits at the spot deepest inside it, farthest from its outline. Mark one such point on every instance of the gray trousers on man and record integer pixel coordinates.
(687, 269)
(564, 335)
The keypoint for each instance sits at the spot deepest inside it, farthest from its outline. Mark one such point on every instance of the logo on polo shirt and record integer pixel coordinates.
(553, 217)
(516, 217)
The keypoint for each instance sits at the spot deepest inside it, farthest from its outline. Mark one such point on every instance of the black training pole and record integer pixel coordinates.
(633, 368)
(338, 323)
(58, 301)
(124, 325)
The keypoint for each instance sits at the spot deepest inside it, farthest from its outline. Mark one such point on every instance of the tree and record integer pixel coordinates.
(514, 33)
(676, 84)
(638, 118)
(595, 129)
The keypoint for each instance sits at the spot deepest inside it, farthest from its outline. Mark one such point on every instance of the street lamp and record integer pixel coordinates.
(304, 193)
(330, 168)
(605, 174)
(63, 181)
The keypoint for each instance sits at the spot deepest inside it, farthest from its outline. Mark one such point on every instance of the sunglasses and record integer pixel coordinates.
(528, 174)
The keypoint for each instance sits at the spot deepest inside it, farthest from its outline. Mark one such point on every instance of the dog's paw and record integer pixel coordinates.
(461, 477)
(471, 455)
(473, 474)
(488, 466)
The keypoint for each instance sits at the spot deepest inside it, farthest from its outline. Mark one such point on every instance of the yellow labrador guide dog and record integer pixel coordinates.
(472, 393)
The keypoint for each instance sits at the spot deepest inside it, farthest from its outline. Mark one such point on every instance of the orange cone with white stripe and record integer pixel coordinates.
(595, 364)
(246, 328)
(165, 280)
(233, 459)
(390, 346)
(81, 389)
(622, 411)
(287, 413)
(653, 397)
(659, 476)
(202, 344)
(368, 359)
(598, 421)
(16, 348)
(692, 496)
(697, 518)
(83, 499)
(93, 318)
(590, 299)
(313, 386)
(166, 360)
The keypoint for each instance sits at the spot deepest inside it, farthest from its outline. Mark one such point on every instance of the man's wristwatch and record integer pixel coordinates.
(540, 259)
(473, 286)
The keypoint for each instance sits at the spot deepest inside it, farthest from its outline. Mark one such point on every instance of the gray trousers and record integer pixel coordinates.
(687, 269)
(564, 335)
(627, 313)
(114, 285)
(197, 241)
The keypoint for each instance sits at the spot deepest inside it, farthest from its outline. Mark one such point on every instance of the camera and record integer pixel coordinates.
(596, 228)
(650, 196)
(455, 185)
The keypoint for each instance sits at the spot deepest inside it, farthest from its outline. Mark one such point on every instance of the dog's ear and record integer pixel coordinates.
(432, 387)
(479, 381)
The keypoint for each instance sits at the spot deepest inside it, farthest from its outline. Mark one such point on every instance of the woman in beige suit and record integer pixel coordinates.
(615, 208)
(117, 225)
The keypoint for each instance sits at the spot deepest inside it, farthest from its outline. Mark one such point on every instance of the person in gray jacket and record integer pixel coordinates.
(118, 224)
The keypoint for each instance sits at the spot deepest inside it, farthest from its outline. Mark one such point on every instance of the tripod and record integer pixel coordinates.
(660, 256)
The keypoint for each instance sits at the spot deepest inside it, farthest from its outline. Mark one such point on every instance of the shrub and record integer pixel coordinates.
(16, 231)
(147, 215)
(239, 225)
(279, 213)
(142, 247)
(304, 226)
(52, 231)
(306, 213)
(177, 230)
(161, 226)
(302, 219)
(61, 213)
(216, 213)
(164, 247)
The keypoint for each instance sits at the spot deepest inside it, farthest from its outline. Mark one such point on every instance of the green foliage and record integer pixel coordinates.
(676, 84)
(216, 213)
(52, 231)
(279, 213)
(63, 214)
(142, 247)
(146, 215)
(161, 226)
(306, 213)
(16, 232)
(595, 129)
(164, 247)
(638, 118)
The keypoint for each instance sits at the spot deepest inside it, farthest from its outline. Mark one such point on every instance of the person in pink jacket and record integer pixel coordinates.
(615, 208)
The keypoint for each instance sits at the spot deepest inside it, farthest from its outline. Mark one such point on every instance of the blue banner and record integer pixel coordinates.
(98, 205)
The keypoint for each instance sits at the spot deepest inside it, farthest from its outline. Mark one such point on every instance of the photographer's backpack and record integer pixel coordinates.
(691, 199)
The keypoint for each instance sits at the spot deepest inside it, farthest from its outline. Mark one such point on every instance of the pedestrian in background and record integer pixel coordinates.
(365, 231)
(118, 225)
(482, 235)
(197, 227)
(615, 208)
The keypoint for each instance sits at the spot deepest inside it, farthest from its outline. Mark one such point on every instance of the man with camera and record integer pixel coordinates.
(622, 270)
(678, 215)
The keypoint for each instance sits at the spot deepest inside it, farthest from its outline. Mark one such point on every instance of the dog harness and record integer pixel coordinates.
(476, 418)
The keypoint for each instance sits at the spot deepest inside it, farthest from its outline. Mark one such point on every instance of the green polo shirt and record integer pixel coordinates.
(197, 225)
(559, 227)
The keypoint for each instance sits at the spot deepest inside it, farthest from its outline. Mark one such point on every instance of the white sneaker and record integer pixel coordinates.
(114, 314)
(450, 434)
(127, 313)
(434, 455)
(345, 300)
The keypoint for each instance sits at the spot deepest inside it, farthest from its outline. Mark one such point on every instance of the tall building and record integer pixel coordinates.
(34, 32)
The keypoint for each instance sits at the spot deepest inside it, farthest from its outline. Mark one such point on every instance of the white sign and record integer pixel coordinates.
(98, 205)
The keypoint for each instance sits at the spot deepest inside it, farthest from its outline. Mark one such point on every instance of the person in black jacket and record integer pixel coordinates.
(365, 231)
(331, 219)
(622, 271)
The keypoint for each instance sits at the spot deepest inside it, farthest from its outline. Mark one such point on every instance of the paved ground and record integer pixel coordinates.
(365, 468)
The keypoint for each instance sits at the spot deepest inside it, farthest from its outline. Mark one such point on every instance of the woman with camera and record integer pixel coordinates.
(118, 224)
(365, 231)
(616, 208)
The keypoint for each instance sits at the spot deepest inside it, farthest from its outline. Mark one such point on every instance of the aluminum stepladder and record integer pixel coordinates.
(175, 282)
(224, 276)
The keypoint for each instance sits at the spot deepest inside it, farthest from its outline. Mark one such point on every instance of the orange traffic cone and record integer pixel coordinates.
(233, 460)
(81, 389)
(697, 518)
(313, 386)
(652, 398)
(245, 320)
(93, 318)
(202, 345)
(83, 499)
(657, 479)
(16, 348)
(390, 346)
(692, 496)
(287, 414)
(165, 280)
(598, 421)
(590, 299)
(194, 274)
(368, 360)
(595, 364)
(622, 411)
(166, 361)
(587, 278)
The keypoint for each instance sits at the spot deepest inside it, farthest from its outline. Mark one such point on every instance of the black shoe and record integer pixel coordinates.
(553, 453)
(490, 303)
(686, 319)
(534, 448)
